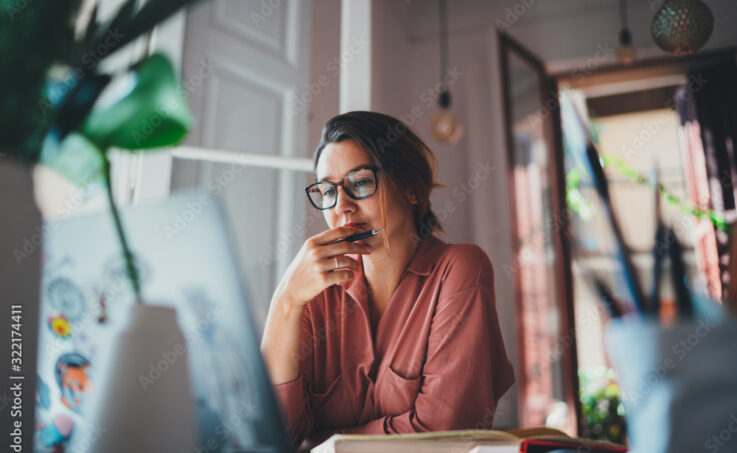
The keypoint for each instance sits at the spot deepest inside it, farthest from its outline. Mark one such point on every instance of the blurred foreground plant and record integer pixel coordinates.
(51, 108)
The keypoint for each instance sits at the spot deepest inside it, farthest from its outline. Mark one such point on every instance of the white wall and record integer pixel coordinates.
(324, 68)
(473, 206)
(324, 88)
(566, 34)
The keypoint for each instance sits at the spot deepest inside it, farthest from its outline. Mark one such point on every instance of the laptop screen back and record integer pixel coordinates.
(183, 251)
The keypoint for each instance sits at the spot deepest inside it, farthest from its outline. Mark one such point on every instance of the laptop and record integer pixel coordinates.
(185, 257)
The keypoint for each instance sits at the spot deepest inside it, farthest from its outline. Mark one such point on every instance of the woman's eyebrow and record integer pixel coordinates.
(328, 178)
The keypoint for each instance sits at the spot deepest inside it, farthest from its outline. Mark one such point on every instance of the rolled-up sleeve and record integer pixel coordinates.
(293, 396)
(466, 368)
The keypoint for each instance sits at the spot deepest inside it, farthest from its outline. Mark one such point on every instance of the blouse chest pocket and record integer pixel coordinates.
(396, 393)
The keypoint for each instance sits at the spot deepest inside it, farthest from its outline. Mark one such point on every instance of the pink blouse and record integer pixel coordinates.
(435, 362)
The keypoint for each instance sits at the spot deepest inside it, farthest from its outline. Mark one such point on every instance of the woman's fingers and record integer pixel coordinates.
(341, 248)
(314, 268)
(338, 277)
(334, 234)
(342, 261)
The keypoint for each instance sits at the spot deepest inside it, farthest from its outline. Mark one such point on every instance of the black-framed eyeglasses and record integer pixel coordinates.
(358, 184)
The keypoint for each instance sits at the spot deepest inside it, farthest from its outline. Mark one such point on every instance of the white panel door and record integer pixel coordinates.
(244, 64)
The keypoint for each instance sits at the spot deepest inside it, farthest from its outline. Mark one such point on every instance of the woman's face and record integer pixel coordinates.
(336, 160)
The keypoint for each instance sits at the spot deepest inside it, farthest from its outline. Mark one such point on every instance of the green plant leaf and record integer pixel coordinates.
(151, 115)
(76, 158)
(128, 26)
(33, 34)
(77, 103)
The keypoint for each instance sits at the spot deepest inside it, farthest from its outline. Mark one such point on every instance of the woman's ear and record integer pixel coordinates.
(412, 199)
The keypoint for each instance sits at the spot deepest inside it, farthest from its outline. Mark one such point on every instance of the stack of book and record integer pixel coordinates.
(536, 440)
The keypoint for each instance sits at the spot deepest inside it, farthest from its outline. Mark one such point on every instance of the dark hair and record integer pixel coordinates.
(403, 159)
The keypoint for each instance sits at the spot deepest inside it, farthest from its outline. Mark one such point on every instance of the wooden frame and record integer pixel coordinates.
(563, 270)
(644, 69)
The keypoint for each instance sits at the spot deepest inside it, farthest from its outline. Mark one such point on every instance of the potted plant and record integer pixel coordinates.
(51, 113)
(601, 405)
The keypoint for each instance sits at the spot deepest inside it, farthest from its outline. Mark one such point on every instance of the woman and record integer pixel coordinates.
(395, 333)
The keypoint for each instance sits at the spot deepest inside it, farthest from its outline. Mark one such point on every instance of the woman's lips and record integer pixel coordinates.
(353, 224)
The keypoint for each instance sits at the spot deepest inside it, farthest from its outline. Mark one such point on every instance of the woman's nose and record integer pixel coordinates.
(344, 202)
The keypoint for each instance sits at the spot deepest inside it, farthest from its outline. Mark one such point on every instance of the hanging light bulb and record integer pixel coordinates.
(445, 127)
(682, 27)
(626, 52)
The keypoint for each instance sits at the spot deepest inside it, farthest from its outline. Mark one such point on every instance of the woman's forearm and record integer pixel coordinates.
(281, 340)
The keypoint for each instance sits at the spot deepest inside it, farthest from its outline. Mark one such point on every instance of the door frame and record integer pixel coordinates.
(549, 84)
(563, 270)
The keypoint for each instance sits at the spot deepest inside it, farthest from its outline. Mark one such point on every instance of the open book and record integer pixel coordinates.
(535, 440)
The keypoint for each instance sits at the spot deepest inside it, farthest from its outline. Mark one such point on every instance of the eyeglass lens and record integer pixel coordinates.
(359, 183)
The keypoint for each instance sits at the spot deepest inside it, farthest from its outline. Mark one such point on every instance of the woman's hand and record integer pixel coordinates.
(311, 271)
(314, 267)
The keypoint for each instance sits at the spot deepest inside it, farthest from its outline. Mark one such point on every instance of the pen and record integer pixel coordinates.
(606, 296)
(659, 249)
(678, 275)
(602, 188)
(730, 300)
(358, 236)
(600, 182)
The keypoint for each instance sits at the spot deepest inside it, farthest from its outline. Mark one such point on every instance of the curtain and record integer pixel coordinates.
(707, 106)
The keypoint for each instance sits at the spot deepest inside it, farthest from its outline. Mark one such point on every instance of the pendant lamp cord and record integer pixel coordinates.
(623, 13)
(443, 19)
